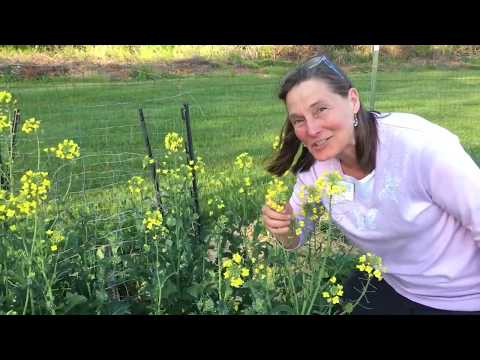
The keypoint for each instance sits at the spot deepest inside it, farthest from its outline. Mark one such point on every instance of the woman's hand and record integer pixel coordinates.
(279, 224)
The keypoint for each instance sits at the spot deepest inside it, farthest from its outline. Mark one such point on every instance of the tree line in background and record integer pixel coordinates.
(342, 53)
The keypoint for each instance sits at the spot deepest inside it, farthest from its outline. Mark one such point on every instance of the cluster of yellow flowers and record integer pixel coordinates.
(276, 142)
(325, 186)
(147, 161)
(5, 97)
(244, 161)
(67, 149)
(35, 185)
(261, 271)
(34, 188)
(153, 220)
(198, 166)
(246, 187)
(4, 123)
(31, 125)
(277, 195)
(213, 204)
(5, 211)
(235, 271)
(371, 264)
(334, 291)
(136, 185)
(56, 237)
(173, 142)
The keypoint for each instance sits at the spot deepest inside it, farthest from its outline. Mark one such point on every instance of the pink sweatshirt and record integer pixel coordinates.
(419, 211)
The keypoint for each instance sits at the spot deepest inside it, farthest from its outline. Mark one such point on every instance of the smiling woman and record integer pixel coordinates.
(407, 201)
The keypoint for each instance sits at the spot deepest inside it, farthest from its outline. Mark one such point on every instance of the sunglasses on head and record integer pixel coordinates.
(318, 60)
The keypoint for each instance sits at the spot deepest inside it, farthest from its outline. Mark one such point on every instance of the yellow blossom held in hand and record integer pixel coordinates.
(277, 195)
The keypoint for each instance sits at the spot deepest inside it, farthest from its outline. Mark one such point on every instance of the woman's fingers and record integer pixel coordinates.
(277, 223)
(270, 213)
(280, 231)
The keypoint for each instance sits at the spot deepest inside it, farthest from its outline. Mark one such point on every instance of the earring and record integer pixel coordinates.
(355, 120)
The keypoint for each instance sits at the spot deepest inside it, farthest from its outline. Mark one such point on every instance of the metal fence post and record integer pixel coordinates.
(191, 157)
(373, 78)
(153, 166)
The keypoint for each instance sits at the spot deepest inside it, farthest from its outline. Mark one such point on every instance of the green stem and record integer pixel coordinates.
(38, 152)
(290, 280)
(364, 291)
(30, 267)
(324, 256)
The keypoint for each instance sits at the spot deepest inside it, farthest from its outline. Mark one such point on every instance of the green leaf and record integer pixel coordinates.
(348, 307)
(73, 300)
(171, 221)
(100, 253)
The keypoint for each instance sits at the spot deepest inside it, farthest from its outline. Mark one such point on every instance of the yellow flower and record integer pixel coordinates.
(227, 263)
(277, 195)
(245, 272)
(236, 282)
(326, 294)
(237, 258)
(333, 280)
(5, 97)
(335, 300)
(244, 161)
(227, 274)
(173, 141)
(30, 125)
(54, 247)
(135, 185)
(276, 142)
(153, 219)
(4, 124)
(13, 227)
(67, 149)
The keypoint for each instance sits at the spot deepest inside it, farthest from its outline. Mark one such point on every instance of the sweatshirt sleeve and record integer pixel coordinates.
(452, 179)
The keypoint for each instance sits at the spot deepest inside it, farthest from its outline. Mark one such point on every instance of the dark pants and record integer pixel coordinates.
(382, 299)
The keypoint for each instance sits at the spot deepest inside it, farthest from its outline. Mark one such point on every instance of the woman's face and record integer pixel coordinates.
(322, 119)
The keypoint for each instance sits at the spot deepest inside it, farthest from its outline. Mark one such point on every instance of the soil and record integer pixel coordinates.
(46, 67)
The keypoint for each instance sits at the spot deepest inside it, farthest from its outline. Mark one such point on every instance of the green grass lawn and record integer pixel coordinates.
(229, 115)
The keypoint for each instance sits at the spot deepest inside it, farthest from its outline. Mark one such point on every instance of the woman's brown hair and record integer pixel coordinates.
(366, 133)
